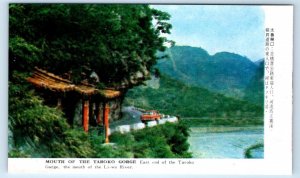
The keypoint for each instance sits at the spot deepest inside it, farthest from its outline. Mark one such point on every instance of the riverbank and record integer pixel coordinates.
(228, 122)
(220, 129)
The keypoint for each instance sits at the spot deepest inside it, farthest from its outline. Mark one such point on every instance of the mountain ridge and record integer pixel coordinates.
(224, 72)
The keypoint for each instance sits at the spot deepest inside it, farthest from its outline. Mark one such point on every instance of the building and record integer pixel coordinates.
(95, 103)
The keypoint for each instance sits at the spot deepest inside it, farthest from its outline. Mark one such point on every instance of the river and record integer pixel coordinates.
(225, 142)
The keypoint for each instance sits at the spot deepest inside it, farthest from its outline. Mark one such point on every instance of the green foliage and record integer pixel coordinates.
(248, 151)
(38, 130)
(152, 143)
(224, 72)
(23, 54)
(162, 141)
(118, 42)
(254, 91)
(176, 98)
(17, 153)
(120, 150)
(41, 131)
(74, 144)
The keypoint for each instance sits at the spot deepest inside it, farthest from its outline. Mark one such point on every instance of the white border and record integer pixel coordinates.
(278, 140)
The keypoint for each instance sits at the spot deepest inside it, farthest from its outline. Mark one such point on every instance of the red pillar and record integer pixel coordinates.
(106, 122)
(85, 114)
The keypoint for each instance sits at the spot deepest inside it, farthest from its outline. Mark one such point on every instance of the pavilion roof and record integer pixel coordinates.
(43, 79)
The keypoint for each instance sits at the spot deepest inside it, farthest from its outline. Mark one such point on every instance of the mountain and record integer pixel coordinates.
(177, 98)
(254, 91)
(259, 62)
(224, 72)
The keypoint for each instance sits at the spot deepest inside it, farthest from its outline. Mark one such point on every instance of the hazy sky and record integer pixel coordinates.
(237, 29)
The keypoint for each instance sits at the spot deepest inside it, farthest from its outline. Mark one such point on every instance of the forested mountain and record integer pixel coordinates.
(177, 98)
(224, 72)
(254, 92)
(195, 84)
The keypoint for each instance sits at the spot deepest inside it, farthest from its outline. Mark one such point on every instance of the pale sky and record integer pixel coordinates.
(237, 29)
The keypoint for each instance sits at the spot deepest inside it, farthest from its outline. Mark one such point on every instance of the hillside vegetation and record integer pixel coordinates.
(254, 91)
(163, 141)
(176, 98)
(224, 72)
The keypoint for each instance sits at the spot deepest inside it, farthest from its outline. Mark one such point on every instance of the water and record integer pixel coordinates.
(225, 142)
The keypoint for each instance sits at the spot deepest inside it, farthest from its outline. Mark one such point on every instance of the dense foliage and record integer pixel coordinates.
(117, 42)
(223, 72)
(162, 141)
(38, 130)
(52, 137)
(176, 98)
(254, 92)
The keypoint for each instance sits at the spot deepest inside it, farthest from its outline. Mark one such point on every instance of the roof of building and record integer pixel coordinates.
(44, 79)
(47, 80)
(109, 93)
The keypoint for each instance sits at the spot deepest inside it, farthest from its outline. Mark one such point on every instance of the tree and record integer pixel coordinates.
(118, 42)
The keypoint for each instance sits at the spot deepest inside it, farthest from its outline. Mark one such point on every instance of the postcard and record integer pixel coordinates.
(150, 89)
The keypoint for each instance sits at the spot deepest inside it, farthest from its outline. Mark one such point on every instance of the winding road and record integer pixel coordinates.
(131, 115)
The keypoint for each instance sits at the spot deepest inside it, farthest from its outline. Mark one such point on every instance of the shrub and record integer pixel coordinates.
(162, 141)
(39, 130)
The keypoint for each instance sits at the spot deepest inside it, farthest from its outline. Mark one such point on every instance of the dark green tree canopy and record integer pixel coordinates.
(117, 42)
